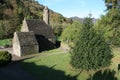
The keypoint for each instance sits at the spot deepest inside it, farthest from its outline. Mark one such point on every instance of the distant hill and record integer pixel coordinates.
(12, 13)
(82, 19)
(77, 19)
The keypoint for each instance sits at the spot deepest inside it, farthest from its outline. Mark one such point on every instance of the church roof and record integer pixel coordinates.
(26, 38)
(39, 27)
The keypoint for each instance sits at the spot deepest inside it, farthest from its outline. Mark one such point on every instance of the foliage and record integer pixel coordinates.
(104, 75)
(7, 28)
(5, 58)
(90, 51)
(70, 33)
(112, 4)
(57, 30)
(109, 26)
(58, 23)
(5, 42)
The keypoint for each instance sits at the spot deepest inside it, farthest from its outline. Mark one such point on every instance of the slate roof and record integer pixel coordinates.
(26, 38)
(39, 27)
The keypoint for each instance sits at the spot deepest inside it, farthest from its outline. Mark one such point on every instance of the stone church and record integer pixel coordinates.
(36, 35)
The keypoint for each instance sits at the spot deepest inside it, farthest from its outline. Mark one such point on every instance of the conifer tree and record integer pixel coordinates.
(90, 51)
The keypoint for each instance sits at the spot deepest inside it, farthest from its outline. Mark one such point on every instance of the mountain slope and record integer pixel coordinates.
(12, 13)
(82, 19)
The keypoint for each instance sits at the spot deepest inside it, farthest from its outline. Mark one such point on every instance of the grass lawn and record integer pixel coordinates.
(54, 65)
(5, 42)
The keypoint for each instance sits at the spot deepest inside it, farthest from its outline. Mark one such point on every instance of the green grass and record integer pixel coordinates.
(54, 65)
(5, 42)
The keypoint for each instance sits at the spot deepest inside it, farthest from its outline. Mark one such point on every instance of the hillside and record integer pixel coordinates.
(12, 13)
(82, 19)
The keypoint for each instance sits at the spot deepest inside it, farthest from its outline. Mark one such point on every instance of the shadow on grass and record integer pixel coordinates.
(104, 75)
(47, 73)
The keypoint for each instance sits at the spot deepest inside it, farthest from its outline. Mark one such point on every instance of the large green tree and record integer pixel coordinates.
(112, 4)
(90, 51)
(109, 25)
(70, 33)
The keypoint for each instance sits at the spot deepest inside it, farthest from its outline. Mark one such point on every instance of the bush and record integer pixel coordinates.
(5, 58)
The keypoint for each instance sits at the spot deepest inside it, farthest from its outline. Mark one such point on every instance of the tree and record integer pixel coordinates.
(109, 25)
(57, 30)
(90, 51)
(112, 4)
(71, 32)
(1, 29)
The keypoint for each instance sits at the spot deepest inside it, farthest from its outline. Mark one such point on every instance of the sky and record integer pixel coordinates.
(79, 8)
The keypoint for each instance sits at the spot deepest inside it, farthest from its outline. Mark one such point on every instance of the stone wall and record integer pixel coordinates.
(32, 49)
(16, 46)
(65, 47)
(24, 43)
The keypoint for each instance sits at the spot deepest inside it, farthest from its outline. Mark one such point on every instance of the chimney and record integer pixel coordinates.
(46, 15)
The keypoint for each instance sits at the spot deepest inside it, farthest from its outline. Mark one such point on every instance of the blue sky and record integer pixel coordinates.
(80, 8)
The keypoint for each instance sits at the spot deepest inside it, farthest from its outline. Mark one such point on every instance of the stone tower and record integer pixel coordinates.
(46, 15)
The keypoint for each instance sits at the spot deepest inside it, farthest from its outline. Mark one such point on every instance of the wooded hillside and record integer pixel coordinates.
(12, 13)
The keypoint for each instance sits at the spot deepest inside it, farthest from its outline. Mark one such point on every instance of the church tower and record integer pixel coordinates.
(46, 15)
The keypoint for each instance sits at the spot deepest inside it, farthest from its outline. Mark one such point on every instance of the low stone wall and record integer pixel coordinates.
(6, 46)
(10, 50)
(65, 47)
